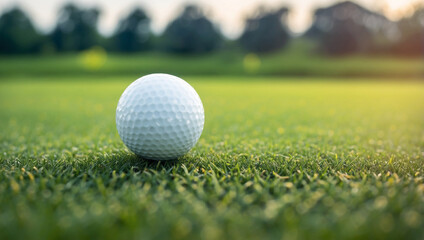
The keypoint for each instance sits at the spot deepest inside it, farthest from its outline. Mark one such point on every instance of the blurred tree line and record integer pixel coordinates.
(342, 29)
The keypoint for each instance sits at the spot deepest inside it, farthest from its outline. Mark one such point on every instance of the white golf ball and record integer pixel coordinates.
(160, 117)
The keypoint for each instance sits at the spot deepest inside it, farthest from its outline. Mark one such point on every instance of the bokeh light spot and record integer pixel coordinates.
(251, 63)
(94, 58)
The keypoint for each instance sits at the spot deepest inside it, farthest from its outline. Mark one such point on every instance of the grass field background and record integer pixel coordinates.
(299, 59)
(279, 157)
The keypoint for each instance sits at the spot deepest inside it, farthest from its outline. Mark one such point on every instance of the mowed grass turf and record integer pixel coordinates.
(278, 158)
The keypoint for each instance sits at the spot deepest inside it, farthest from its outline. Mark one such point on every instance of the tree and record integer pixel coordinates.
(266, 32)
(411, 42)
(191, 32)
(346, 37)
(17, 33)
(76, 29)
(133, 33)
(347, 28)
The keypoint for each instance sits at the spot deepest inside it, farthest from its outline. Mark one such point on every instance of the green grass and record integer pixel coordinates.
(277, 159)
(296, 60)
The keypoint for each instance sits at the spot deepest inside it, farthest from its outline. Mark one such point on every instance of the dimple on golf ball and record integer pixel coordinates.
(160, 117)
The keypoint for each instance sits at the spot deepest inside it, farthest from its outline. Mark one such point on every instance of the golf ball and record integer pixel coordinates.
(160, 117)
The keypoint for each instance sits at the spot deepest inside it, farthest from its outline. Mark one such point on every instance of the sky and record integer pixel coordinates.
(229, 15)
